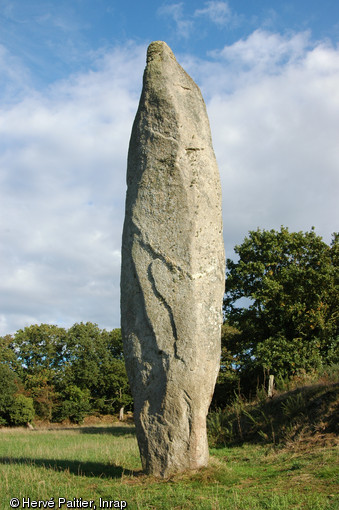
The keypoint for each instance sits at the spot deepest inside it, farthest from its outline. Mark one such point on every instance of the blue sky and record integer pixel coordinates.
(56, 38)
(70, 80)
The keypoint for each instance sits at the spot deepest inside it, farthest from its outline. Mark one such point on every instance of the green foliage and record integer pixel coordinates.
(293, 405)
(15, 408)
(67, 373)
(290, 320)
(331, 372)
(42, 391)
(220, 428)
(8, 389)
(7, 355)
(75, 405)
(96, 363)
(228, 378)
(21, 410)
(39, 348)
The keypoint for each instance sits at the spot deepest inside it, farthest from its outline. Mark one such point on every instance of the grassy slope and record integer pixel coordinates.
(307, 413)
(93, 462)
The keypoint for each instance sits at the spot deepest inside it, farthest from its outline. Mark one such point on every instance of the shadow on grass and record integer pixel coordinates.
(112, 430)
(89, 469)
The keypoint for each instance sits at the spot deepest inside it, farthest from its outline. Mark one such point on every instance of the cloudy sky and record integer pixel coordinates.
(70, 80)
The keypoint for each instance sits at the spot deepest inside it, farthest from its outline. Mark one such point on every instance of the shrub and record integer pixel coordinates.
(21, 411)
(75, 406)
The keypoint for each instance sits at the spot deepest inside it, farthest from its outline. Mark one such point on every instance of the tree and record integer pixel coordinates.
(21, 410)
(74, 405)
(77, 371)
(8, 388)
(40, 348)
(289, 320)
(95, 363)
(16, 408)
(7, 355)
(40, 352)
(41, 389)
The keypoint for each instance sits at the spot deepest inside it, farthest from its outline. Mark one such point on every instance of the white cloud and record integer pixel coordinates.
(14, 77)
(265, 52)
(62, 172)
(184, 26)
(273, 103)
(218, 12)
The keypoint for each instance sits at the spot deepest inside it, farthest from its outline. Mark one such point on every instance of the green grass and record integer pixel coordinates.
(103, 462)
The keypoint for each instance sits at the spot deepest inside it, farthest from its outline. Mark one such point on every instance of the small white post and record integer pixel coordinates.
(121, 414)
(270, 386)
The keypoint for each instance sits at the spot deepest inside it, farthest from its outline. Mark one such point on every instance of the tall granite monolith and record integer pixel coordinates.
(173, 268)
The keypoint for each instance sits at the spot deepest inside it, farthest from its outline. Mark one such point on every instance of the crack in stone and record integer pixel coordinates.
(168, 308)
(170, 264)
(162, 299)
(187, 397)
(182, 86)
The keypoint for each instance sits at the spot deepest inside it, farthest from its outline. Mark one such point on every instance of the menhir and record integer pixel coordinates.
(173, 268)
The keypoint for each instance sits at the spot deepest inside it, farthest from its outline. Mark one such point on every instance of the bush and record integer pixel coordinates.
(21, 411)
(75, 405)
(3, 422)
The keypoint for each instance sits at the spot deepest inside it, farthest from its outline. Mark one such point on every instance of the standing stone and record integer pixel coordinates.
(173, 268)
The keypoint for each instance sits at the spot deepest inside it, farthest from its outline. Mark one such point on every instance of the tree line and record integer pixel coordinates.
(281, 310)
(56, 374)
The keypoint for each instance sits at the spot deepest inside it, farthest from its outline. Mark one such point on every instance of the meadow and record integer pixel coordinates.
(85, 463)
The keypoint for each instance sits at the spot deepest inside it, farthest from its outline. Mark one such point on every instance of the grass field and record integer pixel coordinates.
(103, 462)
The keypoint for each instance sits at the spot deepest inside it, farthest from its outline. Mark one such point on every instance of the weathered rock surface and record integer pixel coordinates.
(173, 268)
